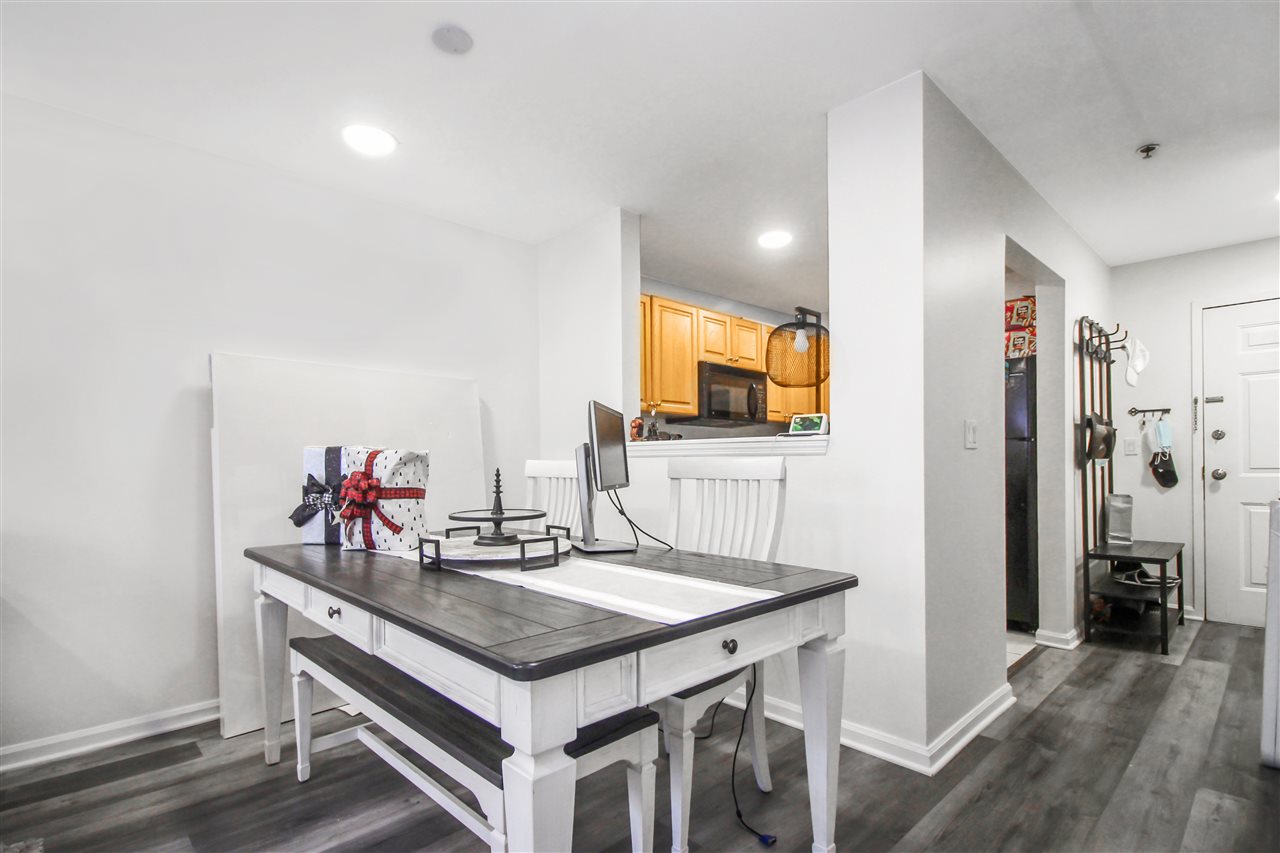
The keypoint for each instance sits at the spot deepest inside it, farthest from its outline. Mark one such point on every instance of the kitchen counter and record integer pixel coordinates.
(800, 445)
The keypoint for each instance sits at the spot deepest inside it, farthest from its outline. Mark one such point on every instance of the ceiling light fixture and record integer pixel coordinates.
(774, 239)
(452, 39)
(368, 140)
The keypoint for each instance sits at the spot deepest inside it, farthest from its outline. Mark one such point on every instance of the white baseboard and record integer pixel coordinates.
(927, 759)
(1055, 640)
(51, 748)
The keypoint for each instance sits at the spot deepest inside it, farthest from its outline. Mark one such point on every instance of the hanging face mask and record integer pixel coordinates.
(1159, 439)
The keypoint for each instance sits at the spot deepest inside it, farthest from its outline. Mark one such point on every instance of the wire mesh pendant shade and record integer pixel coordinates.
(805, 366)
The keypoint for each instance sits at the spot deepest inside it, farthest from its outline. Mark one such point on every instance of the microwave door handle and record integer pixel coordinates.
(753, 401)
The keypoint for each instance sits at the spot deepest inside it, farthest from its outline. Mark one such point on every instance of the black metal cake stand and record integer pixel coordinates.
(497, 516)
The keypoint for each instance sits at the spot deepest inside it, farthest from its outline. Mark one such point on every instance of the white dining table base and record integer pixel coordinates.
(539, 717)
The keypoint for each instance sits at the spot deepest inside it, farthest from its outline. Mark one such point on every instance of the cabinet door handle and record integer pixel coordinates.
(730, 646)
(335, 611)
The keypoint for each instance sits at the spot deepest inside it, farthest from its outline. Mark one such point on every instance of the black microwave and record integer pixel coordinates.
(729, 396)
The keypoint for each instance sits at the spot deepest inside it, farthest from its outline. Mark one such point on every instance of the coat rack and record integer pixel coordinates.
(1094, 346)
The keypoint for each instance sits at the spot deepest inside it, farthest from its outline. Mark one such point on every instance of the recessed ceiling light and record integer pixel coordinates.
(369, 141)
(452, 39)
(774, 239)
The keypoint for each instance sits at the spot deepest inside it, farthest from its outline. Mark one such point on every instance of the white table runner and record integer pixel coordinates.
(644, 593)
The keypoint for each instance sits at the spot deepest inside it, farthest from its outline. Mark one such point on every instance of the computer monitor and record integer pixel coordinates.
(602, 466)
(608, 439)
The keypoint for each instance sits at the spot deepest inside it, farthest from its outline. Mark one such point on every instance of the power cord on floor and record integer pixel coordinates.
(764, 838)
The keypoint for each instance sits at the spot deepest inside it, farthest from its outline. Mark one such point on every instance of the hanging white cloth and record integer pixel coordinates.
(1139, 357)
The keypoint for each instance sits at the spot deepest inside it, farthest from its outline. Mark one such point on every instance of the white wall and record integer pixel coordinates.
(711, 302)
(588, 317)
(920, 205)
(973, 198)
(126, 261)
(1153, 300)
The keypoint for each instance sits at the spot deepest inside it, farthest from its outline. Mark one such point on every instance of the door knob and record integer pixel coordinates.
(1219, 434)
(1218, 474)
(730, 646)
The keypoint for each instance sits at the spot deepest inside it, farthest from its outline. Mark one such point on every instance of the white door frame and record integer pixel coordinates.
(1197, 608)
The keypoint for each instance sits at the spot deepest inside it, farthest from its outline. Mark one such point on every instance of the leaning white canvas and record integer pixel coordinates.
(265, 410)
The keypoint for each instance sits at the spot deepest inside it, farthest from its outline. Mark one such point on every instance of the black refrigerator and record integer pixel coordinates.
(1022, 586)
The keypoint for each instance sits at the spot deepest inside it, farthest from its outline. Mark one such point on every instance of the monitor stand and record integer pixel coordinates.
(587, 504)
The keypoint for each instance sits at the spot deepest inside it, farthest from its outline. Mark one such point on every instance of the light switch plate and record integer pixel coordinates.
(1131, 447)
(970, 434)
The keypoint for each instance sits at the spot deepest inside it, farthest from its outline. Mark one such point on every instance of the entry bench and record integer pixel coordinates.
(457, 742)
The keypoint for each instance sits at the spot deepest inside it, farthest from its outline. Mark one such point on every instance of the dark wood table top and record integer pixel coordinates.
(1138, 551)
(526, 635)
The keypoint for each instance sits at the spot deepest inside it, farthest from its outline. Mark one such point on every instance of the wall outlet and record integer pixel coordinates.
(970, 434)
(1131, 447)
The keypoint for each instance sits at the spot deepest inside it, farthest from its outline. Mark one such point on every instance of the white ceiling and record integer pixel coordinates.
(706, 119)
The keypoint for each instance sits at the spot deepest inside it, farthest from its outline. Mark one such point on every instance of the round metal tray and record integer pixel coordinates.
(463, 551)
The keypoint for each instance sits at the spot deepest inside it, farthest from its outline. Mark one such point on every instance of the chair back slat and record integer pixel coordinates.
(552, 485)
(730, 507)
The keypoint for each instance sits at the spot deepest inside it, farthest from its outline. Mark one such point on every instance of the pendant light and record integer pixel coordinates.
(798, 354)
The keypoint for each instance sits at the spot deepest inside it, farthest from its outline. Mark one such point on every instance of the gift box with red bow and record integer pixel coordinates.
(382, 502)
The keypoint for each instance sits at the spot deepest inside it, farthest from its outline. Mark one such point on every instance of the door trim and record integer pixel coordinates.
(1198, 606)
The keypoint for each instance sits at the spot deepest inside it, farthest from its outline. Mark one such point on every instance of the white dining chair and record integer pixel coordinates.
(730, 507)
(552, 485)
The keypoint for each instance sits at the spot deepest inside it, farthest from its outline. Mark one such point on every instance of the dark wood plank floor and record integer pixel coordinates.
(1106, 749)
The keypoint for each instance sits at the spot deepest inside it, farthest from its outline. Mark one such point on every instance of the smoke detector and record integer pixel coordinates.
(452, 39)
(1149, 150)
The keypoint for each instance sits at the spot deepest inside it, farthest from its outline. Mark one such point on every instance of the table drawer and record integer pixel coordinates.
(471, 685)
(346, 620)
(284, 588)
(674, 666)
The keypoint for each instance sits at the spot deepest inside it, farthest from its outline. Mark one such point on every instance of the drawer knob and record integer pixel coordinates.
(335, 611)
(730, 646)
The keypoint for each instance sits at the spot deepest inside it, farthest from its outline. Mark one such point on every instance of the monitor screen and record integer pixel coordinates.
(608, 447)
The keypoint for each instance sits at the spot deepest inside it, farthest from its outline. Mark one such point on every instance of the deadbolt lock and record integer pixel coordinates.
(1218, 474)
(1219, 434)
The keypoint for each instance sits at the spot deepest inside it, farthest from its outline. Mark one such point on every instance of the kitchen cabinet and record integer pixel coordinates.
(714, 337)
(747, 343)
(674, 337)
(645, 361)
(729, 340)
(785, 402)
(672, 357)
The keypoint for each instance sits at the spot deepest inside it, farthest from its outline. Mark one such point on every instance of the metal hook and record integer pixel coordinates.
(1105, 334)
(1122, 338)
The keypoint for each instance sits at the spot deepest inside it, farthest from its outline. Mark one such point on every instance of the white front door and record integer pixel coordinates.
(1241, 437)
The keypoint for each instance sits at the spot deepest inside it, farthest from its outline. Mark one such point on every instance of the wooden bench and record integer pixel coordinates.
(454, 740)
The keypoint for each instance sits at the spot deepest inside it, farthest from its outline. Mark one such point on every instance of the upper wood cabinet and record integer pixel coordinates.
(672, 357)
(729, 340)
(714, 337)
(645, 362)
(747, 342)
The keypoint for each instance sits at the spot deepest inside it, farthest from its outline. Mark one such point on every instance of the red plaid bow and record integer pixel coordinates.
(361, 492)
